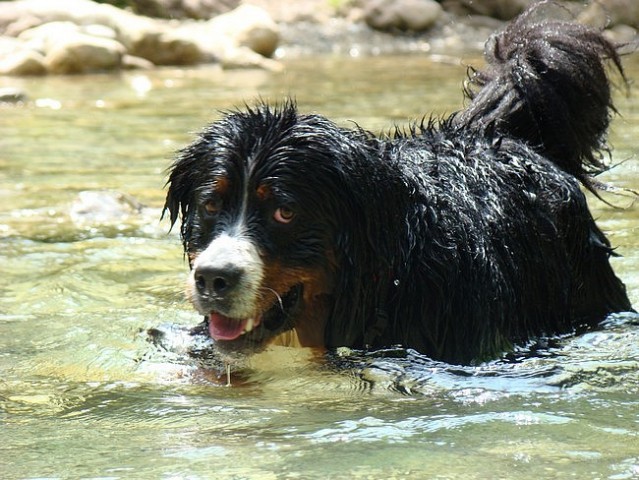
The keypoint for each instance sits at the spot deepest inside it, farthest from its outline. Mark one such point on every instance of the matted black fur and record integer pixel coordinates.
(459, 239)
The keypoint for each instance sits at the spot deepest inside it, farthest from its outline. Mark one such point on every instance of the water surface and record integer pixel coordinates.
(83, 394)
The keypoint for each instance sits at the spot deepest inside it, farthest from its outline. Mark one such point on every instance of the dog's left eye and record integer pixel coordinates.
(284, 215)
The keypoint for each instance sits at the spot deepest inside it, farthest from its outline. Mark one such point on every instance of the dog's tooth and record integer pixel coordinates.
(249, 325)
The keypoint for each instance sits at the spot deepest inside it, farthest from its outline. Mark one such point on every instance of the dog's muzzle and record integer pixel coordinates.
(225, 281)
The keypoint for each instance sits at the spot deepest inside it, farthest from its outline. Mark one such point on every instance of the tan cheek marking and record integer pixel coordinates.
(311, 322)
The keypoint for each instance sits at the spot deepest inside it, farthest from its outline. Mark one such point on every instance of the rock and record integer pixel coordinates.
(68, 48)
(171, 48)
(143, 37)
(130, 62)
(160, 43)
(159, 8)
(623, 35)
(308, 11)
(23, 62)
(167, 48)
(12, 95)
(21, 24)
(81, 12)
(243, 38)
(206, 9)
(499, 9)
(80, 53)
(411, 15)
(103, 207)
(45, 36)
(97, 30)
(58, 31)
(609, 13)
(248, 26)
(9, 45)
(244, 57)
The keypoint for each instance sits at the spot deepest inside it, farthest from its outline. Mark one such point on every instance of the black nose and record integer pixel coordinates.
(216, 280)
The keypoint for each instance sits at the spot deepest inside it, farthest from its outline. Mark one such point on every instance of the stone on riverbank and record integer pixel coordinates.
(248, 26)
(80, 53)
(610, 13)
(161, 45)
(499, 9)
(131, 62)
(84, 36)
(405, 15)
(23, 62)
(248, 35)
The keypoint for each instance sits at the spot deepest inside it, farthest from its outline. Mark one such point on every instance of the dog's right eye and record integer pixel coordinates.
(212, 207)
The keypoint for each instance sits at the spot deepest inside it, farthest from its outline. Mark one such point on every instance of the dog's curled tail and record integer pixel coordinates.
(546, 82)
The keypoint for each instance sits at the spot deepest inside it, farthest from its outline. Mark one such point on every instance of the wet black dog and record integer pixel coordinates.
(458, 238)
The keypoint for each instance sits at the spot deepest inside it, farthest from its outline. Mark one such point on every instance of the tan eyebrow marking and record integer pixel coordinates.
(221, 184)
(263, 192)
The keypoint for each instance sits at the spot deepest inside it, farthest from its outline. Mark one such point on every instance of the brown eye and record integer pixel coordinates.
(284, 215)
(212, 206)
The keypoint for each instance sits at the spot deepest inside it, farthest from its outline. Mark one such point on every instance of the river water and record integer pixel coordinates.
(84, 394)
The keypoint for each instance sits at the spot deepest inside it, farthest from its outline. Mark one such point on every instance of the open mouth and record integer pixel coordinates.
(274, 320)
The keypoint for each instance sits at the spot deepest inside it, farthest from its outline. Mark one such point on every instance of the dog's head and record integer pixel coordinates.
(270, 223)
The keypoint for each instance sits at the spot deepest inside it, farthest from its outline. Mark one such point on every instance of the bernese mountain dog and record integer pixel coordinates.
(459, 237)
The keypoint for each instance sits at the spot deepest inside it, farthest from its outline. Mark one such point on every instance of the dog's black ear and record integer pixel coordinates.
(181, 184)
(176, 194)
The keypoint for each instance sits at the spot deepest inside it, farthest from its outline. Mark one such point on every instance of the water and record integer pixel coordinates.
(83, 394)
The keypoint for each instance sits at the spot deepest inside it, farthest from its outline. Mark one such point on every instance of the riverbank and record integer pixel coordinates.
(37, 37)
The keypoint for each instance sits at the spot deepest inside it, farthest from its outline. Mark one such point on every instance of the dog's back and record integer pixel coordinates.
(547, 84)
(510, 249)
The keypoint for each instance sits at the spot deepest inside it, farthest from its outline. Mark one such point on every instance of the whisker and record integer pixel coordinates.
(279, 298)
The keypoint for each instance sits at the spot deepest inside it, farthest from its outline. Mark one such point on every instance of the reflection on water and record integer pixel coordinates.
(84, 394)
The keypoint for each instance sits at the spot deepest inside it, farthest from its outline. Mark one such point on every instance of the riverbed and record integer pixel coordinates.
(84, 394)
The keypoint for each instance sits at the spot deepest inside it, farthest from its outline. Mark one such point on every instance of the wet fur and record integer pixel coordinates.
(459, 238)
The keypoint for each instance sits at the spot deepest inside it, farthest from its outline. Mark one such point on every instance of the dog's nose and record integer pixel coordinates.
(216, 280)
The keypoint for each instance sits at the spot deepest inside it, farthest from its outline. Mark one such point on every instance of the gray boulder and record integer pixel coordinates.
(23, 62)
(405, 15)
(77, 36)
(609, 13)
(248, 26)
(80, 53)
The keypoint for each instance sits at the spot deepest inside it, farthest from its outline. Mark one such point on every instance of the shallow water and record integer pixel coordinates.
(83, 394)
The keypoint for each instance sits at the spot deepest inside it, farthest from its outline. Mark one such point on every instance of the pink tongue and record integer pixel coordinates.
(224, 328)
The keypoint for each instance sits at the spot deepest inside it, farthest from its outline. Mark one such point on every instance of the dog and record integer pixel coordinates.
(460, 237)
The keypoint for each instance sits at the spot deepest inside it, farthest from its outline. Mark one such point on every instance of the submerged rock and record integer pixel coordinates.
(12, 95)
(99, 207)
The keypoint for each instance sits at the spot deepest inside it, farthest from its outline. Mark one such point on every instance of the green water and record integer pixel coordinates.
(83, 394)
